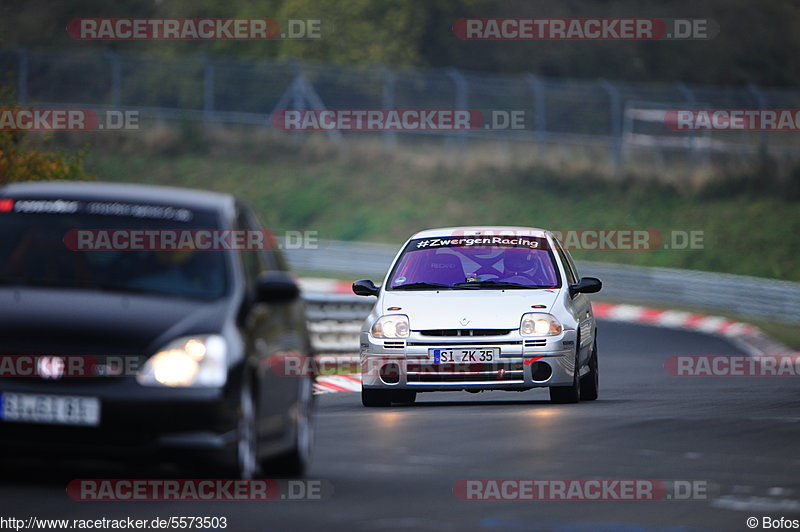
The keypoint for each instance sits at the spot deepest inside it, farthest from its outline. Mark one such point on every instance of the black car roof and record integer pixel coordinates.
(122, 192)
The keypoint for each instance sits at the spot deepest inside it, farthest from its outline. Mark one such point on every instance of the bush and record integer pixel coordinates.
(21, 162)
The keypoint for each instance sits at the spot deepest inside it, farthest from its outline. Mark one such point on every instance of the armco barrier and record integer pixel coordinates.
(335, 320)
(739, 294)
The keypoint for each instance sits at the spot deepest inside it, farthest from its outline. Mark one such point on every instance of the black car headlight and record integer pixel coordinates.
(191, 361)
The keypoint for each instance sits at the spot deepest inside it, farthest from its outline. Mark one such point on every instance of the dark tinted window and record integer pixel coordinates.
(252, 259)
(112, 252)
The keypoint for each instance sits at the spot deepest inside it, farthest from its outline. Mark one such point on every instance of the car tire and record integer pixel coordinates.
(296, 461)
(376, 398)
(590, 383)
(241, 461)
(568, 394)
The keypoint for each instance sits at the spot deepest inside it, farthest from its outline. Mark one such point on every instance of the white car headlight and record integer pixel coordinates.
(191, 361)
(539, 324)
(391, 326)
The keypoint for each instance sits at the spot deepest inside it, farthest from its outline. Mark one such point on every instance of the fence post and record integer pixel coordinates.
(309, 95)
(762, 103)
(298, 86)
(22, 75)
(688, 95)
(540, 108)
(208, 89)
(461, 99)
(691, 101)
(388, 102)
(298, 100)
(616, 121)
(686, 92)
(302, 95)
(116, 77)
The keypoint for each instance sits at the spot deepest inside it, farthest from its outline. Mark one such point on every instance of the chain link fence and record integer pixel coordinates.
(625, 121)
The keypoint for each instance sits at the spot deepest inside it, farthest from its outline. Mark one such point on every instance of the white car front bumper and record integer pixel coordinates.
(407, 364)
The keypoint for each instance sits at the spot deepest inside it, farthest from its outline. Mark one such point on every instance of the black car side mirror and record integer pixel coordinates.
(365, 287)
(276, 287)
(587, 285)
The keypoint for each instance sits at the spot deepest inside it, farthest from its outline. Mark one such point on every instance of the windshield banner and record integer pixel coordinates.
(506, 241)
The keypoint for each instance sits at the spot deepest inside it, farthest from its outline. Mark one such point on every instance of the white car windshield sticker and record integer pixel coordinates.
(503, 241)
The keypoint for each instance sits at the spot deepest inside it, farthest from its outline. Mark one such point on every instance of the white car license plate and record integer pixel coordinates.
(50, 409)
(463, 356)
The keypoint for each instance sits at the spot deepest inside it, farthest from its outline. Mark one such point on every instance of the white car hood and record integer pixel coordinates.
(467, 309)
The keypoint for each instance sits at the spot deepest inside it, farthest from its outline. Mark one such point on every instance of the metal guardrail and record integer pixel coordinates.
(347, 258)
(335, 320)
(333, 316)
(739, 294)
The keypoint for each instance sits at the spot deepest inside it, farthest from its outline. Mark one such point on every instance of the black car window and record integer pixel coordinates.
(273, 257)
(252, 260)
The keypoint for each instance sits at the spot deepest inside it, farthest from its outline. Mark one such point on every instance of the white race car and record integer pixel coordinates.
(479, 308)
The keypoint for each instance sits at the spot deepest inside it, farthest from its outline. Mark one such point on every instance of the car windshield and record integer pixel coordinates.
(39, 249)
(475, 263)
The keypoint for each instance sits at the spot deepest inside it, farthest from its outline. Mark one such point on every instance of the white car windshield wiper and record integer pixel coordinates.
(422, 286)
(494, 284)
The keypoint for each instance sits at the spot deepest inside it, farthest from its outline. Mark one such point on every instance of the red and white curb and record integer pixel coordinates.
(673, 319)
(326, 286)
(748, 337)
(338, 383)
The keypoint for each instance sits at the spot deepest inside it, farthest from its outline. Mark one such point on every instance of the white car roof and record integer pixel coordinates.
(481, 230)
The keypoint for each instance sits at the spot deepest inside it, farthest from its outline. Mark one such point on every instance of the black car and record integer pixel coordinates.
(133, 345)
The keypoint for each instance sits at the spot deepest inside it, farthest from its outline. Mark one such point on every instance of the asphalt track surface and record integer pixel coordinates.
(394, 468)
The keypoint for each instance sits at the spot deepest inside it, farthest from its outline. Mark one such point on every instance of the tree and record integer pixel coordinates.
(19, 161)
